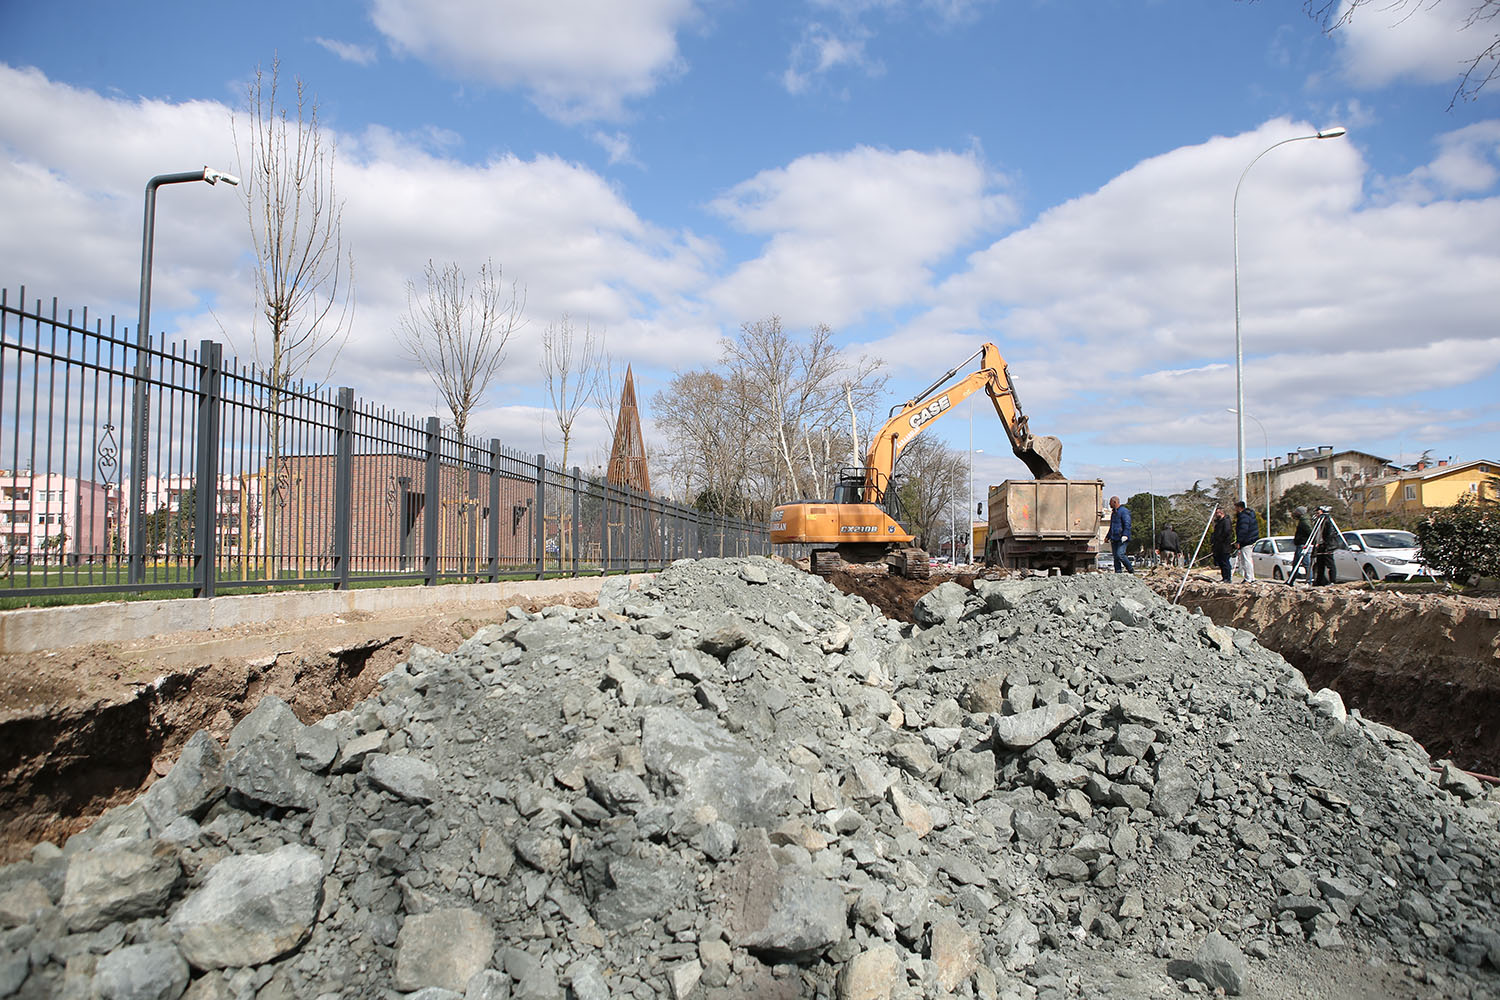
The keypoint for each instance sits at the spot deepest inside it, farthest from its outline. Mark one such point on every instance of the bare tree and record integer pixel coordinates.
(1336, 14)
(705, 417)
(304, 272)
(570, 369)
(458, 333)
(933, 482)
(805, 386)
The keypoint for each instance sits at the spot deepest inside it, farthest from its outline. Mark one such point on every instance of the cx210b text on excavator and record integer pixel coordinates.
(862, 522)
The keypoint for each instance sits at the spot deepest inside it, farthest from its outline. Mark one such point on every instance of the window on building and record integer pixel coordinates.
(1411, 493)
(1484, 469)
(1473, 487)
(1322, 472)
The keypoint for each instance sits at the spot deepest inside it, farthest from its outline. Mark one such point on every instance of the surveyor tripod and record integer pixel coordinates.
(1315, 541)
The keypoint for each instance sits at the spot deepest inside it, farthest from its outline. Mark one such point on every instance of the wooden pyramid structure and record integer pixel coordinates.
(627, 457)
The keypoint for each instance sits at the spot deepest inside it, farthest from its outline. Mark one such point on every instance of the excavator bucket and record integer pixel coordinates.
(1043, 456)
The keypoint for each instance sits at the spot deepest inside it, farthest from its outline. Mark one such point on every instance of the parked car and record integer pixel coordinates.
(1273, 557)
(1380, 554)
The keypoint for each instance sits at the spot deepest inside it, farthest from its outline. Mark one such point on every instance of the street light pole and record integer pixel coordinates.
(1267, 442)
(970, 517)
(1152, 480)
(140, 421)
(1239, 350)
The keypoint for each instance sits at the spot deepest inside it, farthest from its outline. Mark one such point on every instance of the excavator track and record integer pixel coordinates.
(826, 562)
(913, 564)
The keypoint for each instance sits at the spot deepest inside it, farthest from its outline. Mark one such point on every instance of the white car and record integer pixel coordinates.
(1380, 554)
(1273, 557)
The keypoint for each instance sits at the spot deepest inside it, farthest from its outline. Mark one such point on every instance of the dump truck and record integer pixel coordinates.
(1046, 524)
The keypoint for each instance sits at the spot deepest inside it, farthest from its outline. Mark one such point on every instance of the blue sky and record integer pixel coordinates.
(921, 175)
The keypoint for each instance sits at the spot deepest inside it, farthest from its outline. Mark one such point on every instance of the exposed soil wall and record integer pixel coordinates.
(88, 727)
(1425, 663)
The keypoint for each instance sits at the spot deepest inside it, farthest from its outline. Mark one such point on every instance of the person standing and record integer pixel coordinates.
(1169, 546)
(1119, 535)
(1300, 538)
(1246, 534)
(1222, 542)
(1324, 545)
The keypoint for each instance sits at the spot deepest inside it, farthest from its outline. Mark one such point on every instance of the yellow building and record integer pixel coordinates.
(1429, 486)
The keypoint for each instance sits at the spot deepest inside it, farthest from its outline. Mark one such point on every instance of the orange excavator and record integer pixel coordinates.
(862, 523)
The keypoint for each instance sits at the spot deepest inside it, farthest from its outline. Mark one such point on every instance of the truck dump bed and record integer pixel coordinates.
(1045, 523)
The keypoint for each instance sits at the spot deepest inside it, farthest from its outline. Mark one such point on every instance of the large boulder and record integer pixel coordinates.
(444, 948)
(194, 782)
(120, 882)
(152, 971)
(251, 908)
(705, 765)
(943, 605)
(407, 777)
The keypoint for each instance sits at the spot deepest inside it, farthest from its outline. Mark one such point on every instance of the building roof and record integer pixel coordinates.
(1309, 456)
(1437, 470)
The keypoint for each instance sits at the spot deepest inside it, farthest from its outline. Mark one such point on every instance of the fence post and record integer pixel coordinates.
(605, 557)
(494, 532)
(540, 521)
(343, 482)
(577, 520)
(628, 518)
(431, 502)
(206, 475)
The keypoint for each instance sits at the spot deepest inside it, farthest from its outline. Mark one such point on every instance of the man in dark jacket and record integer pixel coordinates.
(1222, 542)
(1119, 534)
(1300, 538)
(1324, 545)
(1169, 546)
(1246, 534)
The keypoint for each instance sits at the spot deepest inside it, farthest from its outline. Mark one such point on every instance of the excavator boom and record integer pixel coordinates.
(1042, 455)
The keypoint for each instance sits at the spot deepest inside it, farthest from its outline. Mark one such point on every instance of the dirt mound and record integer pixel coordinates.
(894, 595)
(1427, 664)
(85, 728)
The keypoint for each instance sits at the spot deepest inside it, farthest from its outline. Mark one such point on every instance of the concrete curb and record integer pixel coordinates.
(30, 630)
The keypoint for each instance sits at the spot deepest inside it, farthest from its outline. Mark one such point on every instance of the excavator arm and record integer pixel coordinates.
(1042, 455)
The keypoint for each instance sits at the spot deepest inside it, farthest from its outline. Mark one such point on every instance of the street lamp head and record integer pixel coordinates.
(214, 176)
(1332, 133)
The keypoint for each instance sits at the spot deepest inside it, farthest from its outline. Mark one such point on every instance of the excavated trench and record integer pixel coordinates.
(1421, 660)
(84, 729)
(88, 727)
(1424, 662)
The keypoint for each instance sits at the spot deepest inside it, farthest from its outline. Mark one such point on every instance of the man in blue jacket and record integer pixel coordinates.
(1246, 534)
(1119, 534)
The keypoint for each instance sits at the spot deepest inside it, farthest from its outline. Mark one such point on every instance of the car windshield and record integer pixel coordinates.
(1388, 539)
(1285, 544)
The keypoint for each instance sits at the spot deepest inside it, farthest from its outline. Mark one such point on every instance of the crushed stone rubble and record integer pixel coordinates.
(737, 782)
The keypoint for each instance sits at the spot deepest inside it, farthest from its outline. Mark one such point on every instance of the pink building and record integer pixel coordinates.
(47, 517)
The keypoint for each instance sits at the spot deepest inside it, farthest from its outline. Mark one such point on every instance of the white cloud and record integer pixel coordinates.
(854, 233)
(1409, 39)
(1468, 162)
(360, 55)
(821, 50)
(579, 60)
(558, 228)
(1116, 309)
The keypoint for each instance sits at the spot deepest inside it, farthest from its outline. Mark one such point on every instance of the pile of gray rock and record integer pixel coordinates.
(737, 782)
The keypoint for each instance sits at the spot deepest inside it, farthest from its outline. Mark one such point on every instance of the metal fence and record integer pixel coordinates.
(158, 468)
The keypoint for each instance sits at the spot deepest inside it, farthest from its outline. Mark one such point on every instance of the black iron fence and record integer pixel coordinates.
(159, 468)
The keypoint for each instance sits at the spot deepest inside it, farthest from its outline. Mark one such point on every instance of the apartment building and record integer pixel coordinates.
(49, 516)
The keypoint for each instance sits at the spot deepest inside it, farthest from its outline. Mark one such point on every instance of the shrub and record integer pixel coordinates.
(1462, 541)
